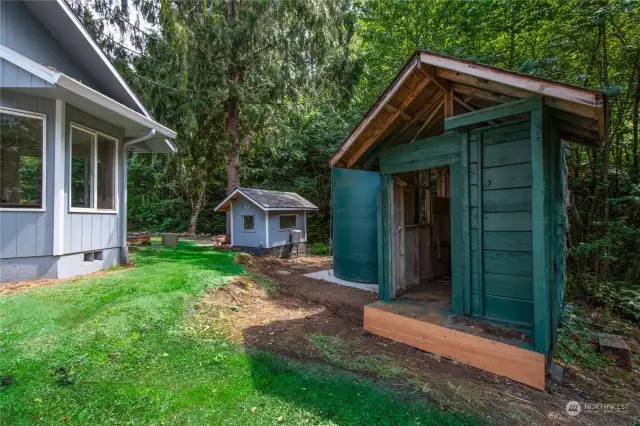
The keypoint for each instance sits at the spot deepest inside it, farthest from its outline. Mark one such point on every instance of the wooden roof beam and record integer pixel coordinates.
(535, 85)
(403, 115)
(375, 110)
(385, 125)
(429, 121)
(481, 94)
(424, 111)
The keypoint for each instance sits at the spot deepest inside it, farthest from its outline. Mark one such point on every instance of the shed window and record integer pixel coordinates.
(247, 223)
(93, 170)
(22, 161)
(287, 221)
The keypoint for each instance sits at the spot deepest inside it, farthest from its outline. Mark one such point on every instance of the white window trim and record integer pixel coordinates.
(43, 197)
(95, 133)
(288, 229)
(254, 223)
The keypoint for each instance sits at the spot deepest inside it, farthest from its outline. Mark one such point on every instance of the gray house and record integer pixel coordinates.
(267, 222)
(67, 121)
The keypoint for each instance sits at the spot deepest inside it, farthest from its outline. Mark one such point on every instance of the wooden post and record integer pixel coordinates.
(541, 317)
(466, 231)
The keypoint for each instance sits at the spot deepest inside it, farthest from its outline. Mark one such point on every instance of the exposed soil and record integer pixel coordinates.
(12, 287)
(285, 321)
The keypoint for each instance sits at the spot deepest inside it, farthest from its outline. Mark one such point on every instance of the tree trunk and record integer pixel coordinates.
(606, 148)
(196, 208)
(233, 109)
(634, 120)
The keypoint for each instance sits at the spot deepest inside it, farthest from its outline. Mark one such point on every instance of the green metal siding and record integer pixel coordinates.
(355, 224)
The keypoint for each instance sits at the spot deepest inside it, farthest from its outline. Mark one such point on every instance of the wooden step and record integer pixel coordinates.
(522, 365)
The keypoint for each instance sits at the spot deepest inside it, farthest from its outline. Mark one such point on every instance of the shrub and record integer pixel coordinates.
(318, 249)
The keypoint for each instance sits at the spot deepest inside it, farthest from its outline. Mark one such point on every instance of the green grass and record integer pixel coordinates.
(115, 349)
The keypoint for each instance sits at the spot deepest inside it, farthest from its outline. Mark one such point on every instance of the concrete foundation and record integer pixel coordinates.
(52, 267)
(327, 275)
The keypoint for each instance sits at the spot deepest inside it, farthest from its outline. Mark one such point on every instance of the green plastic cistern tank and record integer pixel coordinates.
(354, 199)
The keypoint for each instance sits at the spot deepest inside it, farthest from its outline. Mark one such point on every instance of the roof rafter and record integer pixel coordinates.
(385, 125)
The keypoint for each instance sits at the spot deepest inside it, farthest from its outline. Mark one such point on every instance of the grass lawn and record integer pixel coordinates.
(116, 349)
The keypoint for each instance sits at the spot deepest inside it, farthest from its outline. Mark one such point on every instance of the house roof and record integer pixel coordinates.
(114, 103)
(68, 31)
(268, 200)
(134, 123)
(431, 87)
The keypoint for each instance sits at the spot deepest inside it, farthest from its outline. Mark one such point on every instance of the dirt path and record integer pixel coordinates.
(316, 320)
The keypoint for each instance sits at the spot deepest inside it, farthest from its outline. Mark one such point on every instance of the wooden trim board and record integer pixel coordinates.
(518, 364)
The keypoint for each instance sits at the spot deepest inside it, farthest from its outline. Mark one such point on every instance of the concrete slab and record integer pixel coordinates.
(327, 275)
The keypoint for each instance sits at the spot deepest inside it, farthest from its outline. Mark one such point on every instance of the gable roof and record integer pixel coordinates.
(415, 100)
(66, 28)
(61, 86)
(268, 200)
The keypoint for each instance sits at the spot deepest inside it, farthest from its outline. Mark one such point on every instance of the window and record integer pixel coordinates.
(93, 170)
(247, 223)
(287, 221)
(22, 160)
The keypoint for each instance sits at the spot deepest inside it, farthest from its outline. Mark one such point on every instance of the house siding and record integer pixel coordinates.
(21, 31)
(90, 231)
(278, 237)
(29, 233)
(243, 238)
(13, 76)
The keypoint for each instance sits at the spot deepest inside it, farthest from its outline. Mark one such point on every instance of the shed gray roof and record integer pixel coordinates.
(268, 200)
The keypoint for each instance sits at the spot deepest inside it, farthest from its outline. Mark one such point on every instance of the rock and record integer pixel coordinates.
(556, 373)
(616, 348)
(281, 272)
(436, 357)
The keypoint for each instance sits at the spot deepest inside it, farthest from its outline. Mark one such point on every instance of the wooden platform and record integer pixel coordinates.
(451, 336)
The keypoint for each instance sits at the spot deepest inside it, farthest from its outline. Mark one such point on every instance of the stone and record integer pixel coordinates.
(281, 272)
(170, 240)
(616, 348)
(556, 373)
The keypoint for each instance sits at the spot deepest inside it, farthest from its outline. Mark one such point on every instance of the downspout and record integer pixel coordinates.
(124, 251)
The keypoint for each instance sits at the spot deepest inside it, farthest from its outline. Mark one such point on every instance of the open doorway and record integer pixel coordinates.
(422, 236)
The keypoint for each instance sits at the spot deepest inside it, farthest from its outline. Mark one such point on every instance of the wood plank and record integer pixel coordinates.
(421, 163)
(480, 209)
(430, 120)
(508, 309)
(457, 257)
(504, 262)
(466, 237)
(506, 200)
(435, 146)
(448, 100)
(386, 123)
(403, 115)
(540, 263)
(512, 286)
(492, 113)
(481, 94)
(509, 241)
(502, 77)
(411, 67)
(506, 177)
(518, 364)
(514, 152)
(516, 221)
